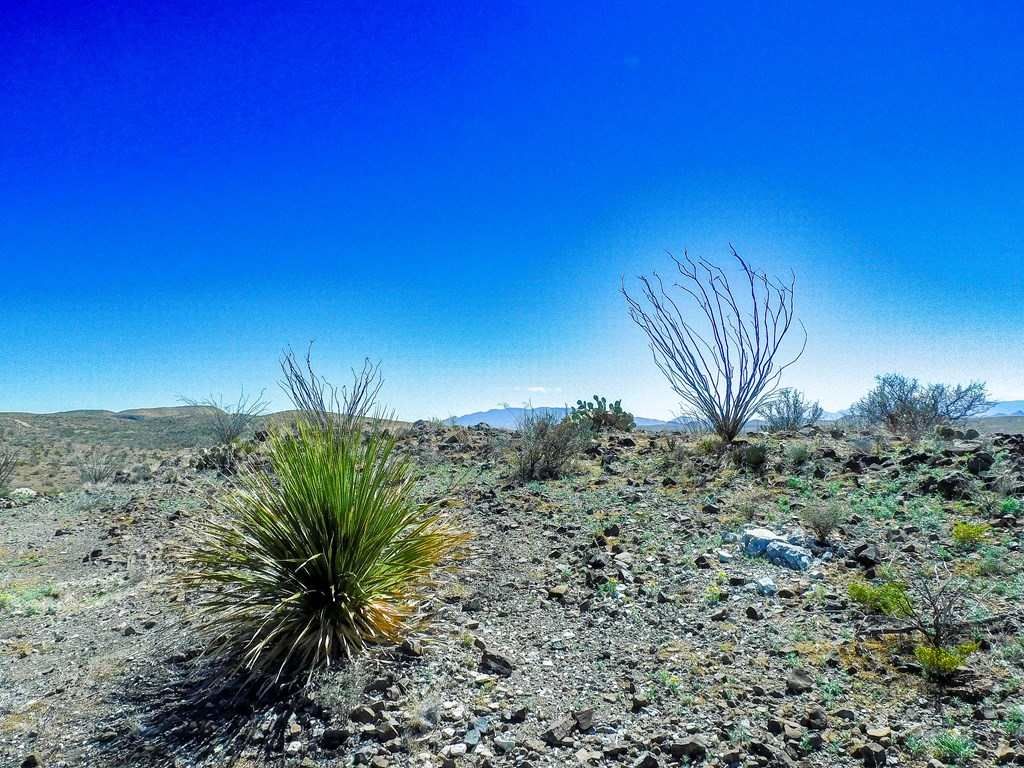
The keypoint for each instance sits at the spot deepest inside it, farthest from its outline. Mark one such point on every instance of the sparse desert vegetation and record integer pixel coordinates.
(823, 597)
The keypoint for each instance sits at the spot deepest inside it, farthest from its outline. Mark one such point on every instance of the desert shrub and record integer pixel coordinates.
(726, 365)
(328, 551)
(98, 465)
(907, 408)
(748, 504)
(8, 462)
(940, 662)
(953, 747)
(600, 415)
(228, 421)
(798, 453)
(709, 445)
(788, 410)
(969, 534)
(224, 458)
(546, 444)
(750, 455)
(933, 605)
(822, 519)
(677, 452)
(141, 472)
(888, 598)
(1010, 506)
(1003, 480)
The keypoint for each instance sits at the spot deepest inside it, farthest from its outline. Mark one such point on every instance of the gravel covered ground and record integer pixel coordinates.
(606, 618)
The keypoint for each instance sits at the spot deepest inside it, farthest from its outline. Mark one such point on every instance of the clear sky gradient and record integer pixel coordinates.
(457, 190)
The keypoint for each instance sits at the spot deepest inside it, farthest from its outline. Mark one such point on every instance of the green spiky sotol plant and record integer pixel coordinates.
(327, 552)
(602, 416)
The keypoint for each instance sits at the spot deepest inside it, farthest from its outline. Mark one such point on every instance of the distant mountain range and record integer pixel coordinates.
(503, 418)
(508, 418)
(1005, 408)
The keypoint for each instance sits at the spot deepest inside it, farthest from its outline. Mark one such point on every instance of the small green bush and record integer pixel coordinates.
(940, 663)
(798, 453)
(600, 415)
(822, 519)
(952, 747)
(889, 598)
(969, 534)
(1010, 506)
(750, 455)
(709, 445)
(546, 445)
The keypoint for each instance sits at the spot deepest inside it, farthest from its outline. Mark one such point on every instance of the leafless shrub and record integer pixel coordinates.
(929, 601)
(8, 460)
(1004, 481)
(546, 444)
(725, 373)
(325, 405)
(98, 465)
(907, 408)
(747, 503)
(788, 410)
(934, 604)
(228, 421)
(941, 606)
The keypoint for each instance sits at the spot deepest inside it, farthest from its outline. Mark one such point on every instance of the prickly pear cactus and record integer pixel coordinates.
(601, 415)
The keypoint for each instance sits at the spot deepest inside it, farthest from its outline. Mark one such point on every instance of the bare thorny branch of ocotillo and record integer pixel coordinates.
(727, 372)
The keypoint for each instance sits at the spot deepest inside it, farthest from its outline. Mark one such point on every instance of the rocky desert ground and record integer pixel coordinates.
(662, 604)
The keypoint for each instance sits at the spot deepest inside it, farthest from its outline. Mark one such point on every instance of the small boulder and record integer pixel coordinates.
(756, 540)
(815, 719)
(873, 755)
(559, 731)
(798, 681)
(496, 663)
(788, 555)
(691, 748)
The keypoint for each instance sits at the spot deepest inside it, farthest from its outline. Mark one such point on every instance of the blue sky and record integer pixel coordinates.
(457, 192)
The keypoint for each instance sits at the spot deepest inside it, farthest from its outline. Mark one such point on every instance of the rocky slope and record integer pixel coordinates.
(615, 617)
